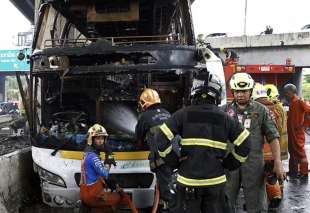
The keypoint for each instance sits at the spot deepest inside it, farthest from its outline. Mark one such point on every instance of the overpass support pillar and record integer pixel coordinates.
(297, 79)
(2, 88)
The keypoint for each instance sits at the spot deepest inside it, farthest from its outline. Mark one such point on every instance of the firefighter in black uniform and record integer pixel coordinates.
(151, 117)
(211, 141)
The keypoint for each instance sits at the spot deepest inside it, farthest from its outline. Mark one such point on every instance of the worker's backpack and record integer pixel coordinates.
(274, 113)
(278, 115)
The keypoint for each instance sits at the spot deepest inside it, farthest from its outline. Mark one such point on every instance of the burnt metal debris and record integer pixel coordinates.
(95, 58)
(91, 60)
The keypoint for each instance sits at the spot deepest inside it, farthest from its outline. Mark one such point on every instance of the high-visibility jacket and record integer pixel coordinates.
(153, 116)
(282, 129)
(205, 131)
(148, 121)
(280, 118)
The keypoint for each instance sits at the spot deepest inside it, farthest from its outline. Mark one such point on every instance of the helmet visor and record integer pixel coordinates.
(243, 85)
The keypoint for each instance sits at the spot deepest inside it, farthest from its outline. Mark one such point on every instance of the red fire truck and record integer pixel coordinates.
(278, 75)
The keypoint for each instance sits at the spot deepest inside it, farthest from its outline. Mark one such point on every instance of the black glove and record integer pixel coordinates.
(111, 184)
(109, 160)
(231, 163)
(172, 160)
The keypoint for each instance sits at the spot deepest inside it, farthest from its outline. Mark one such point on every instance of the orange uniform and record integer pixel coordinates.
(296, 136)
(280, 118)
(99, 198)
(273, 187)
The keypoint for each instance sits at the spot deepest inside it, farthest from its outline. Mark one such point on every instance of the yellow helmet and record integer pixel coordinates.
(95, 131)
(148, 98)
(241, 81)
(259, 91)
(272, 91)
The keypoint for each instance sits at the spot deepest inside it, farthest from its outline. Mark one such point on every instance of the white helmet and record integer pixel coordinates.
(259, 91)
(95, 131)
(241, 81)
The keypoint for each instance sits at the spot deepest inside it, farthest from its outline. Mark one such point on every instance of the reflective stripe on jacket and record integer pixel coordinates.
(205, 130)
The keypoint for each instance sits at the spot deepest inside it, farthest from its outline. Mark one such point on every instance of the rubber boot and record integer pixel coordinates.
(274, 194)
(304, 168)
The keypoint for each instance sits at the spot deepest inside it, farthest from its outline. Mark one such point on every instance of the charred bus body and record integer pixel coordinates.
(90, 62)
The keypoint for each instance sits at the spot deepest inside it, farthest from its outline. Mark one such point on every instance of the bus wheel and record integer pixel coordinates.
(84, 208)
(307, 130)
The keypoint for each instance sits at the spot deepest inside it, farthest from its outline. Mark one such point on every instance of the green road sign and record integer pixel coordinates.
(10, 63)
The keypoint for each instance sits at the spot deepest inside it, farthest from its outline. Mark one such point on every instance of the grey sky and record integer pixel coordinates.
(227, 16)
(209, 16)
(11, 22)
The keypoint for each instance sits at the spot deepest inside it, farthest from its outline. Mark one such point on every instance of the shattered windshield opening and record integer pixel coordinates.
(72, 104)
(89, 66)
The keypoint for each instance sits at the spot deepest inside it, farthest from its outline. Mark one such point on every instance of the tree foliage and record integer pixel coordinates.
(307, 78)
(306, 91)
(11, 88)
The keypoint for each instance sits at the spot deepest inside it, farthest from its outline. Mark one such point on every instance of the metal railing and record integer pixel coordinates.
(113, 41)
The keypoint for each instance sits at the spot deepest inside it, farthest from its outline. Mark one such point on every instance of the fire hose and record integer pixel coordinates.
(156, 199)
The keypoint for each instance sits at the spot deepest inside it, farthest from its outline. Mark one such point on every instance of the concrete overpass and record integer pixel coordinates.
(259, 49)
(268, 49)
(26, 7)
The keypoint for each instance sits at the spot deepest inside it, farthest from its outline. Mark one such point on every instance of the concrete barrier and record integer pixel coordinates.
(16, 180)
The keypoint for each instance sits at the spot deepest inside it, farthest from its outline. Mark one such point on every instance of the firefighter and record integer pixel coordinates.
(273, 186)
(203, 152)
(296, 134)
(94, 181)
(273, 95)
(153, 114)
(255, 117)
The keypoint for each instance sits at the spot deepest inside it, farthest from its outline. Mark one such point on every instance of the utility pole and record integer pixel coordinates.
(36, 10)
(245, 16)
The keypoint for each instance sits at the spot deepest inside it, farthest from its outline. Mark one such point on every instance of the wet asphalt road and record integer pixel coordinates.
(296, 192)
(296, 197)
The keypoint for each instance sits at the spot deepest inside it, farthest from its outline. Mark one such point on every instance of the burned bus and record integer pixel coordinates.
(90, 62)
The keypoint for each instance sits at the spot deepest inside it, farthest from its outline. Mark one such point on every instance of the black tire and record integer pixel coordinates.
(84, 208)
(145, 210)
(307, 130)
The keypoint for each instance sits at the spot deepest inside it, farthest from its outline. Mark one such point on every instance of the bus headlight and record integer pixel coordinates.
(59, 200)
(51, 177)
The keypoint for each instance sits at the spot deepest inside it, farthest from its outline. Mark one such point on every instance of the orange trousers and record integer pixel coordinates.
(298, 162)
(97, 196)
(273, 188)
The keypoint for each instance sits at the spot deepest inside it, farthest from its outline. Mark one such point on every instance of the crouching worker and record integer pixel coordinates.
(95, 184)
(204, 151)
